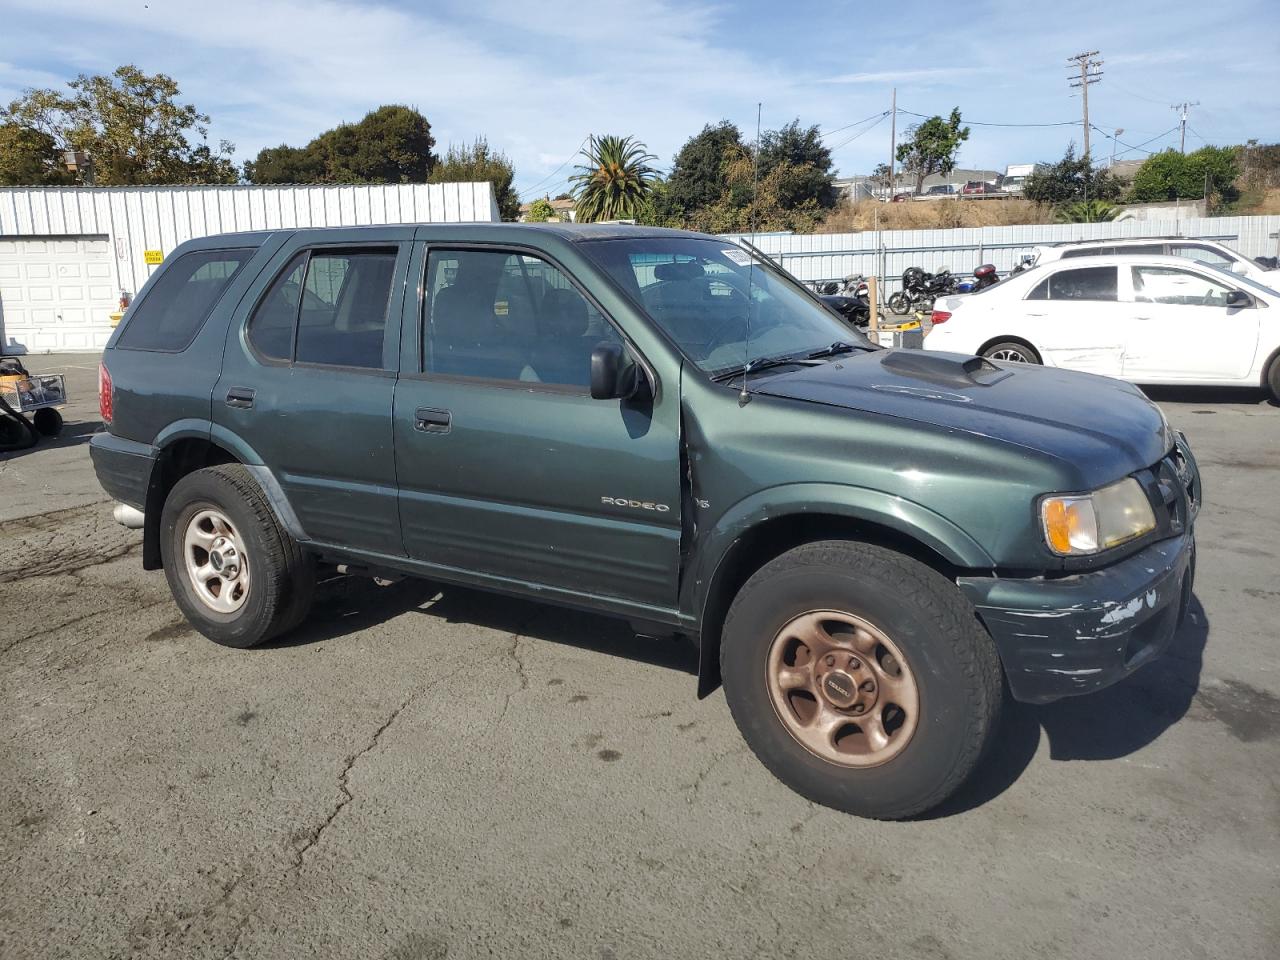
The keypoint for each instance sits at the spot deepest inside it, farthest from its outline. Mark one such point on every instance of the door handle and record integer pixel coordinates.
(241, 397)
(431, 420)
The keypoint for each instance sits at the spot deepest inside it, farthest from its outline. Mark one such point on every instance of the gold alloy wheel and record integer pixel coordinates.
(842, 688)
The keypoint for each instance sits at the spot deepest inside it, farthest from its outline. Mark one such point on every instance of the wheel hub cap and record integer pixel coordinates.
(842, 688)
(215, 562)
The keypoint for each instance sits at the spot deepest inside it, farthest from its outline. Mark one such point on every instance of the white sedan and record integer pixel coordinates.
(1148, 319)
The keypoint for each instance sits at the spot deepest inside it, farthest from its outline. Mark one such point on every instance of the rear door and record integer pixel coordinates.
(309, 377)
(1073, 317)
(1180, 327)
(508, 469)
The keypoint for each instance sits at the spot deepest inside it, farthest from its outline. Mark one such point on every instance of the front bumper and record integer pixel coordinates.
(1076, 634)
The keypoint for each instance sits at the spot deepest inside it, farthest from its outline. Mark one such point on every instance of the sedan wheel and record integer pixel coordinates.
(1011, 352)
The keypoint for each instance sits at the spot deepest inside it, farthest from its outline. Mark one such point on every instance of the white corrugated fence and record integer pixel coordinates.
(831, 256)
(67, 253)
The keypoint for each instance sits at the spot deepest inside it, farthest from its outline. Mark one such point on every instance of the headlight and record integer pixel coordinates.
(1088, 523)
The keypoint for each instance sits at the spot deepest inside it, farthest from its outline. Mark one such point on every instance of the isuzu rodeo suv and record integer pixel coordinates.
(871, 548)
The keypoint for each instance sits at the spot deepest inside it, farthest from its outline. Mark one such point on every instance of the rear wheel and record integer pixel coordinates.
(236, 574)
(861, 678)
(1011, 351)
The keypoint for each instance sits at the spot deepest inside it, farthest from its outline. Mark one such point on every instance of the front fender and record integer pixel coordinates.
(714, 547)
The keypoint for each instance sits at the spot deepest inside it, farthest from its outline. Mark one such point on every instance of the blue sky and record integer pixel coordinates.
(536, 77)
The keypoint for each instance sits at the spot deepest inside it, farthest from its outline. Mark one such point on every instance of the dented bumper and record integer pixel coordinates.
(1073, 635)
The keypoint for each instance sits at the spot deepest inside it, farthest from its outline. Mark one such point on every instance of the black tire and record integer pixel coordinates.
(1005, 348)
(47, 421)
(282, 576)
(898, 303)
(949, 653)
(1273, 379)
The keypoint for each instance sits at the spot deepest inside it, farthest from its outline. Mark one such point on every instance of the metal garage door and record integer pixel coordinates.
(56, 293)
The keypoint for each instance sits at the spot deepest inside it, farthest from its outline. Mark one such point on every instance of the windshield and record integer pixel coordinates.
(1242, 281)
(702, 293)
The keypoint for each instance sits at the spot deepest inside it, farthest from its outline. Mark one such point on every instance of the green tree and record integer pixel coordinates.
(1086, 211)
(698, 173)
(132, 127)
(391, 144)
(1070, 179)
(615, 181)
(932, 146)
(540, 211)
(479, 163)
(806, 177)
(1174, 176)
(30, 157)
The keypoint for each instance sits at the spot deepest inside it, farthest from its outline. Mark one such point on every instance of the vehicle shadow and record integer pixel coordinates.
(1234, 396)
(345, 604)
(72, 434)
(1106, 725)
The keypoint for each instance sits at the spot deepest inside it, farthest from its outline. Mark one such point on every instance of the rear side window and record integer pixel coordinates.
(327, 307)
(1086, 283)
(1200, 254)
(176, 307)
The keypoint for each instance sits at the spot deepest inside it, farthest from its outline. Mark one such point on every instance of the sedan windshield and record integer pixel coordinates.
(721, 305)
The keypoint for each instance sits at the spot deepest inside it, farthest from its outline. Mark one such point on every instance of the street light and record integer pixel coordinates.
(1119, 130)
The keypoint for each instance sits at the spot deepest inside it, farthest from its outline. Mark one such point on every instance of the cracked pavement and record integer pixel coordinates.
(425, 772)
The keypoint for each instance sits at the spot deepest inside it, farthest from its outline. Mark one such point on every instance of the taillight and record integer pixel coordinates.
(105, 393)
(940, 316)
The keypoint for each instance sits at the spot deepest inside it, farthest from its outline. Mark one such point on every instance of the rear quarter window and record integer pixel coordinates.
(171, 314)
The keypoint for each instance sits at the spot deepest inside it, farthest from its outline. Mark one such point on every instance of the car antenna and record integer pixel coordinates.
(745, 397)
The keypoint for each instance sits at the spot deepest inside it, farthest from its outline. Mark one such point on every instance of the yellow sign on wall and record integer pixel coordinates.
(153, 257)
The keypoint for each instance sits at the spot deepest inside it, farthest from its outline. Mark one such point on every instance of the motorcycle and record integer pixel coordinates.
(920, 289)
(983, 277)
(850, 298)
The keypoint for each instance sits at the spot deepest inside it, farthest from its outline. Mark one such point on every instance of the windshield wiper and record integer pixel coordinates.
(761, 363)
(840, 346)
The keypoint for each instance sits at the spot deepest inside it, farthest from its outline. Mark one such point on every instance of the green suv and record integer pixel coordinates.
(871, 548)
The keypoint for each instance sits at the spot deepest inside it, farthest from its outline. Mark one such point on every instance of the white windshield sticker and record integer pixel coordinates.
(740, 257)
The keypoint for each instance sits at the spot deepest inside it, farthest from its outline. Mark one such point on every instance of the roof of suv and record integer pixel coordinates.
(1115, 240)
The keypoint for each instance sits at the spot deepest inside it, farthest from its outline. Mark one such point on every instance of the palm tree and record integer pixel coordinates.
(615, 181)
(1086, 211)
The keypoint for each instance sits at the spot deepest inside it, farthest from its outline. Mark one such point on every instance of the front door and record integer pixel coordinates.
(1181, 328)
(1073, 317)
(507, 467)
(309, 380)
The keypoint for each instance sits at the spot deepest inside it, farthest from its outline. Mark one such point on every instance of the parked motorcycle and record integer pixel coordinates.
(851, 298)
(920, 289)
(983, 277)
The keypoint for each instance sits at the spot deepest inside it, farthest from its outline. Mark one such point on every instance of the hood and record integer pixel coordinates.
(1103, 428)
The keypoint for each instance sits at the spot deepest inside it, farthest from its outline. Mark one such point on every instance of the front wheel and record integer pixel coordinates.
(1011, 351)
(237, 575)
(899, 303)
(1273, 380)
(861, 678)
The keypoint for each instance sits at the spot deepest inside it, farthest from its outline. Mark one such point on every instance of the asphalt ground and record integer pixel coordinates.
(424, 771)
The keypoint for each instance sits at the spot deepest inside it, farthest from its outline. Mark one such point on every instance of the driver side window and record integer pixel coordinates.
(508, 316)
(1169, 285)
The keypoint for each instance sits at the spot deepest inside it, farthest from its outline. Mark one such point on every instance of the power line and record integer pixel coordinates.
(528, 190)
(1139, 146)
(875, 116)
(845, 143)
(980, 123)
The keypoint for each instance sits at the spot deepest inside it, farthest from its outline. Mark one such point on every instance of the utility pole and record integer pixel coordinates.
(893, 139)
(1184, 107)
(1090, 73)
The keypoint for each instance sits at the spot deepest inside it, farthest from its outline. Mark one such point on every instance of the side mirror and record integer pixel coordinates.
(1238, 298)
(614, 376)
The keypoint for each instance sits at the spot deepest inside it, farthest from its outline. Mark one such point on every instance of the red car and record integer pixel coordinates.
(977, 187)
